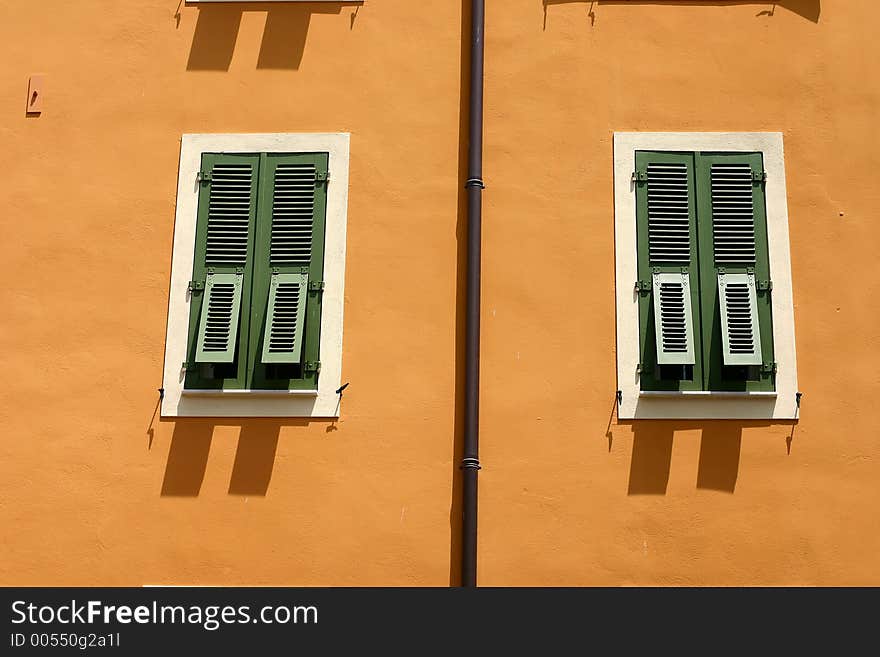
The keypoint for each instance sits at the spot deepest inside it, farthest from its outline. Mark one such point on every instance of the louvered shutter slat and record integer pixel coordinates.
(668, 214)
(282, 340)
(218, 327)
(229, 212)
(293, 208)
(733, 213)
(741, 337)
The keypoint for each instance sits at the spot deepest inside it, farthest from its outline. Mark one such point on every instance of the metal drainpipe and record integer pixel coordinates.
(470, 462)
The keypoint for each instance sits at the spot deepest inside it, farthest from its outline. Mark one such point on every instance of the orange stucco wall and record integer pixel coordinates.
(96, 488)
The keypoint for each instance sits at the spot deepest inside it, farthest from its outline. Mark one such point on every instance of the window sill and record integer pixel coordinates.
(707, 394)
(250, 393)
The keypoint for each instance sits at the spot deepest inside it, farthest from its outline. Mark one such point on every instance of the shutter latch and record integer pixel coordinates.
(639, 176)
(316, 286)
(204, 177)
(759, 176)
(322, 176)
(643, 287)
(312, 366)
(764, 286)
(196, 286)
(768, 368)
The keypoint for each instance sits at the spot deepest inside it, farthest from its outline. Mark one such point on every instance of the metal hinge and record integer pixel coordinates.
(322, 176)
(204, 176)
(639, 176)
(189, 367)
(768, 368)
(764, 286)
(312, 366)
(316, 286)
(643, 287)
(759, 176)
(196, 286)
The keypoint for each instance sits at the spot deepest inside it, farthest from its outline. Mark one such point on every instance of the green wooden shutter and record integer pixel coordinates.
(220, 287)
(289, 271)
(668, 285)
(735, 272)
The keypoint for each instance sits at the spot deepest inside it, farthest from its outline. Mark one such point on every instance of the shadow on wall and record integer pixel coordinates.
(718, 467)
(809, 9)
(254, 457)
(284, 36)
(461, 226)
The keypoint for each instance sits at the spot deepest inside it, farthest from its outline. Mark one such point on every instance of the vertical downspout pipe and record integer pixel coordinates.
(470, 462)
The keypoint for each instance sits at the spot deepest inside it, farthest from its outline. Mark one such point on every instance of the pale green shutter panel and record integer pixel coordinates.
(218, 327)
(673, 319)
(740, 337)
(282, 342)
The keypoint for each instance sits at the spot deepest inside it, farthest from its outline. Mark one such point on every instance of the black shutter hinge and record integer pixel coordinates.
(322, 176)
(312, 366)
(769, 368)
(195, 286)
(639, 176)
(759, 176)
(643, 287)
(204, 177)
(764, 286)
(316, 286)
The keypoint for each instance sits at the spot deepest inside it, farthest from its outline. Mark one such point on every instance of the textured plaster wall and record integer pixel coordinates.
(96, 489)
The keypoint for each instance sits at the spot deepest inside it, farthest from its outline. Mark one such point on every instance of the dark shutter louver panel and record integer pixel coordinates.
(282, 341)
(293, 208)
(741, 338)
(733, 213)
(229, 212)
(218, 328)
(673, 319)
(669, 213)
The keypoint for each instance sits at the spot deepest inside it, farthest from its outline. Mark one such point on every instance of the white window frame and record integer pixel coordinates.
(636, 404)
(323, 402)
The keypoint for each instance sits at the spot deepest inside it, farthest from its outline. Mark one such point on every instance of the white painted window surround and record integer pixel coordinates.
(634, 404)
(323, 402)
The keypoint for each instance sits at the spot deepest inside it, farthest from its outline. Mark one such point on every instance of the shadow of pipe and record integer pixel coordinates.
(284, 34)
(455, 505)
(809, 9)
